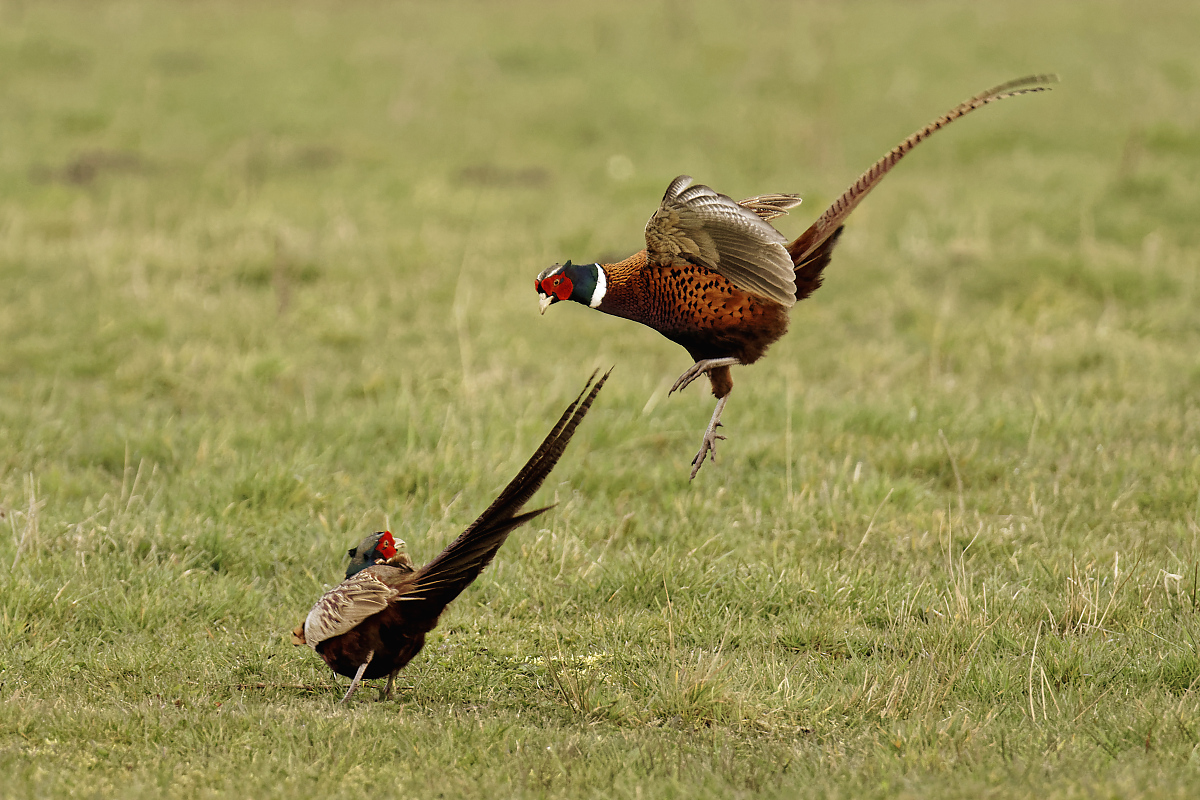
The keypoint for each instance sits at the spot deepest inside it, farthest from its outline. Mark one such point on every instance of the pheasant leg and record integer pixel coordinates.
(708, 447)
(698, 369)
(358, 676)
(386, 692)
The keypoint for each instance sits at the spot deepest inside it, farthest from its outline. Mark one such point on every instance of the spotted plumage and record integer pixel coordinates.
(718, 279)
(374, 622)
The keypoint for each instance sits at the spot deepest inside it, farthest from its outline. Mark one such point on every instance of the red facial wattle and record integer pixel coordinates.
(386, 547)
(558, 286)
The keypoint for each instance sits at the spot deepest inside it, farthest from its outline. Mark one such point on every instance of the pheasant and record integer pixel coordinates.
(718, 279)
(375, 621)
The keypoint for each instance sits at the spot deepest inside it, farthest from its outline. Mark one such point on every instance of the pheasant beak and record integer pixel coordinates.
(544, 302)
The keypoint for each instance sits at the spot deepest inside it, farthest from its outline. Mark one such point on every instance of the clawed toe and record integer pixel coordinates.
(685, 379)
(700, 368)
(708, 448)
(708, 445)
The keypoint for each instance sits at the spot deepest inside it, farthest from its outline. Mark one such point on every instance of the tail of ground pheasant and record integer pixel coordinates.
(443, 578)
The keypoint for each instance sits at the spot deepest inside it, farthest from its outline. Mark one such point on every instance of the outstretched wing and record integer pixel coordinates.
(696, 224)
(346, 605)
(443, 578)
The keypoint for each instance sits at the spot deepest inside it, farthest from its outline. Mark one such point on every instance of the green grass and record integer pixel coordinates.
(265, 286)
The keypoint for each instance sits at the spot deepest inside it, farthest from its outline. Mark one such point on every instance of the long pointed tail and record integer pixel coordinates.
(836, 214)
(443, 578)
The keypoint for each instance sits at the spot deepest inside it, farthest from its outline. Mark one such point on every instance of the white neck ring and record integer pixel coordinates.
(601, 287)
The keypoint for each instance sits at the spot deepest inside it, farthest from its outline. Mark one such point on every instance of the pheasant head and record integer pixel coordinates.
(583, 283)
(378, 548)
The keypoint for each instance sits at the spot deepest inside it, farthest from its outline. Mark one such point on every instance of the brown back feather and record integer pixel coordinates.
(808, 272)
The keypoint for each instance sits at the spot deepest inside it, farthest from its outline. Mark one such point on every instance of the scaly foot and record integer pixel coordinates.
(358, 676)
(386, 692)
(708, 447)
(700, 368)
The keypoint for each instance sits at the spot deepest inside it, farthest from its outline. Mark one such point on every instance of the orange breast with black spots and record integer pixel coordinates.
(694, 307)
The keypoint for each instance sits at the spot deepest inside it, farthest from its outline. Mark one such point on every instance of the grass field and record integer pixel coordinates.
(265, 286)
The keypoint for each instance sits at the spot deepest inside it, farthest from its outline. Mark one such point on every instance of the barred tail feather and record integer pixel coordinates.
(443, 578)
(836, 214)
(452, 576)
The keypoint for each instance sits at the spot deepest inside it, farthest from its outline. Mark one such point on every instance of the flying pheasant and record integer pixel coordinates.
(718, 279)
(375, 621)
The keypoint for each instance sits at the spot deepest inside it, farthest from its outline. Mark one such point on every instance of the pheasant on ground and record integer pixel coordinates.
(718, 279)
(375, 621)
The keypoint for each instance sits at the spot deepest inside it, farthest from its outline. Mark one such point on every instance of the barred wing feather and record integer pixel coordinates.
(709, 229)
(346, 605)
